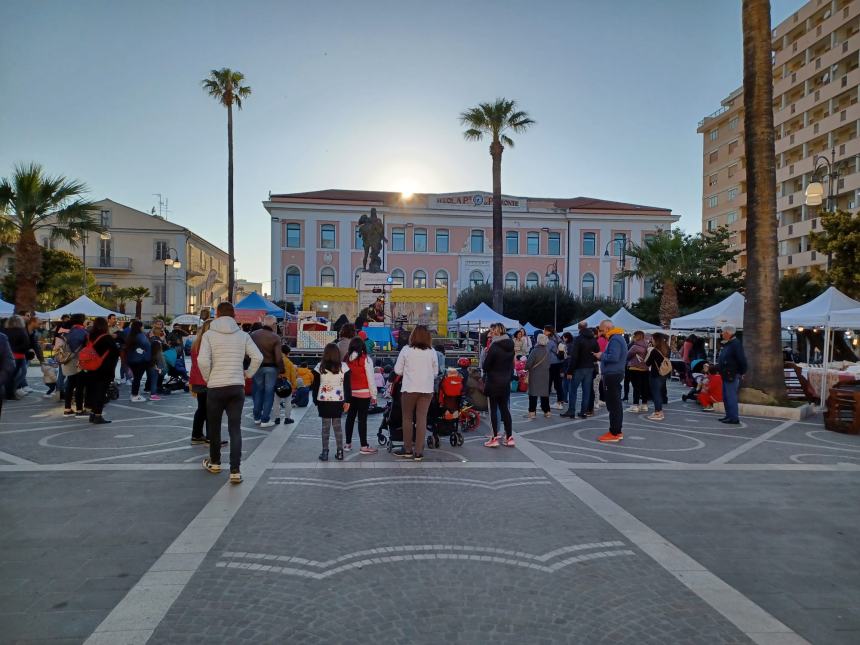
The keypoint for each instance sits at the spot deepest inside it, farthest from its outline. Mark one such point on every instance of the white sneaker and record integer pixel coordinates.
(138, 399)
(560, 406)
(20, 394)
(633, 408)
(266, 424)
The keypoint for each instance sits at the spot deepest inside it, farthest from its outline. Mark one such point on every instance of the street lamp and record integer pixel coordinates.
(105, 235)
(623, 245)
(554, 275)
(169, 261)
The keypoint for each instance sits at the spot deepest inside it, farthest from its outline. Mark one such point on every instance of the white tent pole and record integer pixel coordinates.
(824, 366)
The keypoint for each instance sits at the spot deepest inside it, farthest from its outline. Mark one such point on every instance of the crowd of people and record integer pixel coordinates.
(594, 367)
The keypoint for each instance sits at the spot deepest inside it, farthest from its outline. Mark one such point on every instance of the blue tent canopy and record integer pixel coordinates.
(256, 302)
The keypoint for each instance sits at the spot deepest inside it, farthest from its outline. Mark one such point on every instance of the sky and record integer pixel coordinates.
(364, 95)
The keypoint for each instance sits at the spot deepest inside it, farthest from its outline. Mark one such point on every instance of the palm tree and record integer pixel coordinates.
(32, 201)
(762, 328)
(663, 259)
(225, 86)
(494, 120)
(120, 297)
(138, 294)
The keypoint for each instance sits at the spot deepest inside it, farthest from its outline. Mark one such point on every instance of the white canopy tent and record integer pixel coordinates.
(481, 317)
(82, 305)
(187, 319)
(846, 318)
(727, 312)
(593, 321)
(6, 308)
(629, 323)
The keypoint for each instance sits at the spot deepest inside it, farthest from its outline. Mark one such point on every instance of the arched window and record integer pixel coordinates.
(327, 277)
(589, 245)
(512, 280)
(512, 243)
(327, 237)
(442, 280)
(618, 289)
(532, 280)
(293, 282)
(533, 243)
(398, 278)
(419, 279)
(588, 286)
(476, 279)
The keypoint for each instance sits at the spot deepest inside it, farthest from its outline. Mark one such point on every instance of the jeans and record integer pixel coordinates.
(501, 405)
(264, 392)
(730, 398)
(556, 382)
(21, 373)
(61, 380)
(357, 408)
(199, 423)
(612, 383)
(657, 383)
(581, 381)
(229, 399)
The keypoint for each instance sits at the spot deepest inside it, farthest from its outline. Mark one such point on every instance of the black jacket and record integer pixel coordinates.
(7, 363)
(499, 367)
(106, 346)
(19, 340)
(732, 359)
(583, 346)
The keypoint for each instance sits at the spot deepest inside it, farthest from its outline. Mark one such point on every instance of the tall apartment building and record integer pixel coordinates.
(816, 91)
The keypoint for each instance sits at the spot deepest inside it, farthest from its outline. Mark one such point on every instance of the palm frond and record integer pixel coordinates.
(473, 134)
(505, 139)
(495, 118)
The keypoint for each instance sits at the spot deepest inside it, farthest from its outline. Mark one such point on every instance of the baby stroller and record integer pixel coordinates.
(177, 375)
(392, 418)
(451, 417)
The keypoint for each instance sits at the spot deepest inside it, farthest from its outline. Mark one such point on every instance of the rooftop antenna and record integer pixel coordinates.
(162, 206)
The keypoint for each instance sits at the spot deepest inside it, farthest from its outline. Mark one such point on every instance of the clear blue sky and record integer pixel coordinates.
(364, 95)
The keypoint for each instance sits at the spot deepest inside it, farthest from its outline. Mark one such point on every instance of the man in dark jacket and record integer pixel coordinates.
(581, 370)
(7, 365)
(732, 363)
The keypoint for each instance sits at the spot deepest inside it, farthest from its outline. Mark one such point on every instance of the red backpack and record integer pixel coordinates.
(89, 359)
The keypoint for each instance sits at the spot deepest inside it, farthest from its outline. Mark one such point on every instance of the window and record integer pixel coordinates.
(419, 279)
(733, 169)
(476, 279)
(327, 239)
(293, 281)
(648, 286)
(733, 123)
(327, 277)
(398, 239)
(442, 280)
(441, 240)
(419, 240)
(105, 252)
(294, 235)
(512, 243)
(398, 278)
(733, 192)
(533, 244)
(532, 280)
(712, 201)
(477, 242)
(712, 224)
(732, 217)
(511, 281)
(589, 244)
(648, 238)
(554, 244)
(105, 218)
(158, 295)
(733, 146)
(161, 249)
(588, 287)
(618, 289)
(712, 180)
(712, 158)
(713, 134)
(358, 243)
(618, 243)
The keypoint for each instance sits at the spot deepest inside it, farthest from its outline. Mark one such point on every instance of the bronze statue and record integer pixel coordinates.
(372, 235)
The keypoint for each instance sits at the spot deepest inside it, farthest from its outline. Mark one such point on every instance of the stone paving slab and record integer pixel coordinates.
(788, 541)
(495, 555)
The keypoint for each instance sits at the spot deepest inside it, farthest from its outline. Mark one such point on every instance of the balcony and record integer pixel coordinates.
(812, 36)
(108, 264)
(195, 269)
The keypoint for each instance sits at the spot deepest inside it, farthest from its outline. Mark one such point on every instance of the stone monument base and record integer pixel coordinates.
(370, 286)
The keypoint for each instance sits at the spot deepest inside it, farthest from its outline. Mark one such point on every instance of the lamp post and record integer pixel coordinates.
(170, 261)
(105, 235)
(554, 275)
(622, 260)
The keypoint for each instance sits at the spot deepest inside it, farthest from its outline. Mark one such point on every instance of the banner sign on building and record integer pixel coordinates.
(475, 201)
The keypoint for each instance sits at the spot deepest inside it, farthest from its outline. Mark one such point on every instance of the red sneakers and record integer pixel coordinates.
(493, 442)
(611, 438)
(509, 442)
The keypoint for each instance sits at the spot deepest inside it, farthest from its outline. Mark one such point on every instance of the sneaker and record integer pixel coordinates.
(567, 414)
(99, 420)
(633, 408)
(418, 457)
(347, 447)
(611, 438)
(277, 421)
(199, 441)
(710, 408)
(267, 424)
(339, 454)
(492, 442)
(547, 415)
(367, 450)
(657, 416)
(46, 395)
(530, 416)
(583, 416)
(590, 413)
(235, 477)
(20, 394)
(509, 442)
(402, 453)
(68, 412)
(154, 397)
(561, 405)
(288, 421)
(323, 455)
(212, 468)
(684, 398)
(82, 413)
(257, 422)
(27, 389)
(137, 399)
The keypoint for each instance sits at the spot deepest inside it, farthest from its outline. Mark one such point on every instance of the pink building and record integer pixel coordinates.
(445, 240)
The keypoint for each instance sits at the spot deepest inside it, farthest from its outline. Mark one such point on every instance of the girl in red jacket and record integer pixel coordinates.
(363, 393)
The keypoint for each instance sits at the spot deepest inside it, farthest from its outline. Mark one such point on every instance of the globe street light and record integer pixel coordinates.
(169, 261)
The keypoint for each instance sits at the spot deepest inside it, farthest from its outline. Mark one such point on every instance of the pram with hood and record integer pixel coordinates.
(177, 375)
(451, 413)
(392, 418)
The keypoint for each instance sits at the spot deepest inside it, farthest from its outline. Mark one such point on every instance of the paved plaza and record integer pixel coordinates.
(689, 531)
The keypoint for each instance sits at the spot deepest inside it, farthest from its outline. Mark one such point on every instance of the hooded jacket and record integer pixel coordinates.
(584, 346)
(499, 366)
(615, 355)
(222, 353)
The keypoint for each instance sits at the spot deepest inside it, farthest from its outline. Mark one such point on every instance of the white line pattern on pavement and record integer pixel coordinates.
(752, 443)
(409, 479)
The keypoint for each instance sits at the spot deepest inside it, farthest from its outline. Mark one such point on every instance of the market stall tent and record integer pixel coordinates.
(819, 311)
(629, 323)
(82, 305)
(255, 302)
(592, 321)
(6, 308)
(481, 317)
(846, 318)
(727, 312)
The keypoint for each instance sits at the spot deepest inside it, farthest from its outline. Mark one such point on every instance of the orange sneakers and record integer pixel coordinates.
(611, 438)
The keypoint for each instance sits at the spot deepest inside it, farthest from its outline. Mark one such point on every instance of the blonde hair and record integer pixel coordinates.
(195, 347)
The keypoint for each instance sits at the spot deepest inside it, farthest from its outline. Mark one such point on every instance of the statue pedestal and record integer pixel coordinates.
(370, 286)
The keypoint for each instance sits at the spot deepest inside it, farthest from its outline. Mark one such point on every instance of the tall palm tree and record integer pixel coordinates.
(225, 86)
(663, 259)
(762, 328)
(31, 201)
(138, 294)
(494, 120)
(121, 296)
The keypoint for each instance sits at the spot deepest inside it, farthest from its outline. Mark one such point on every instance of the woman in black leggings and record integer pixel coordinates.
(98, 381)
(498, 370)
(138, 354)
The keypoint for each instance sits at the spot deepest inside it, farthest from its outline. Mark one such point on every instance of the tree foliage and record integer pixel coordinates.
(796, 290)
(841, 239)
(60, 283)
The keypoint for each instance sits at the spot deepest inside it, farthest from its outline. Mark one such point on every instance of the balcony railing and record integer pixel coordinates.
(113, 263)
